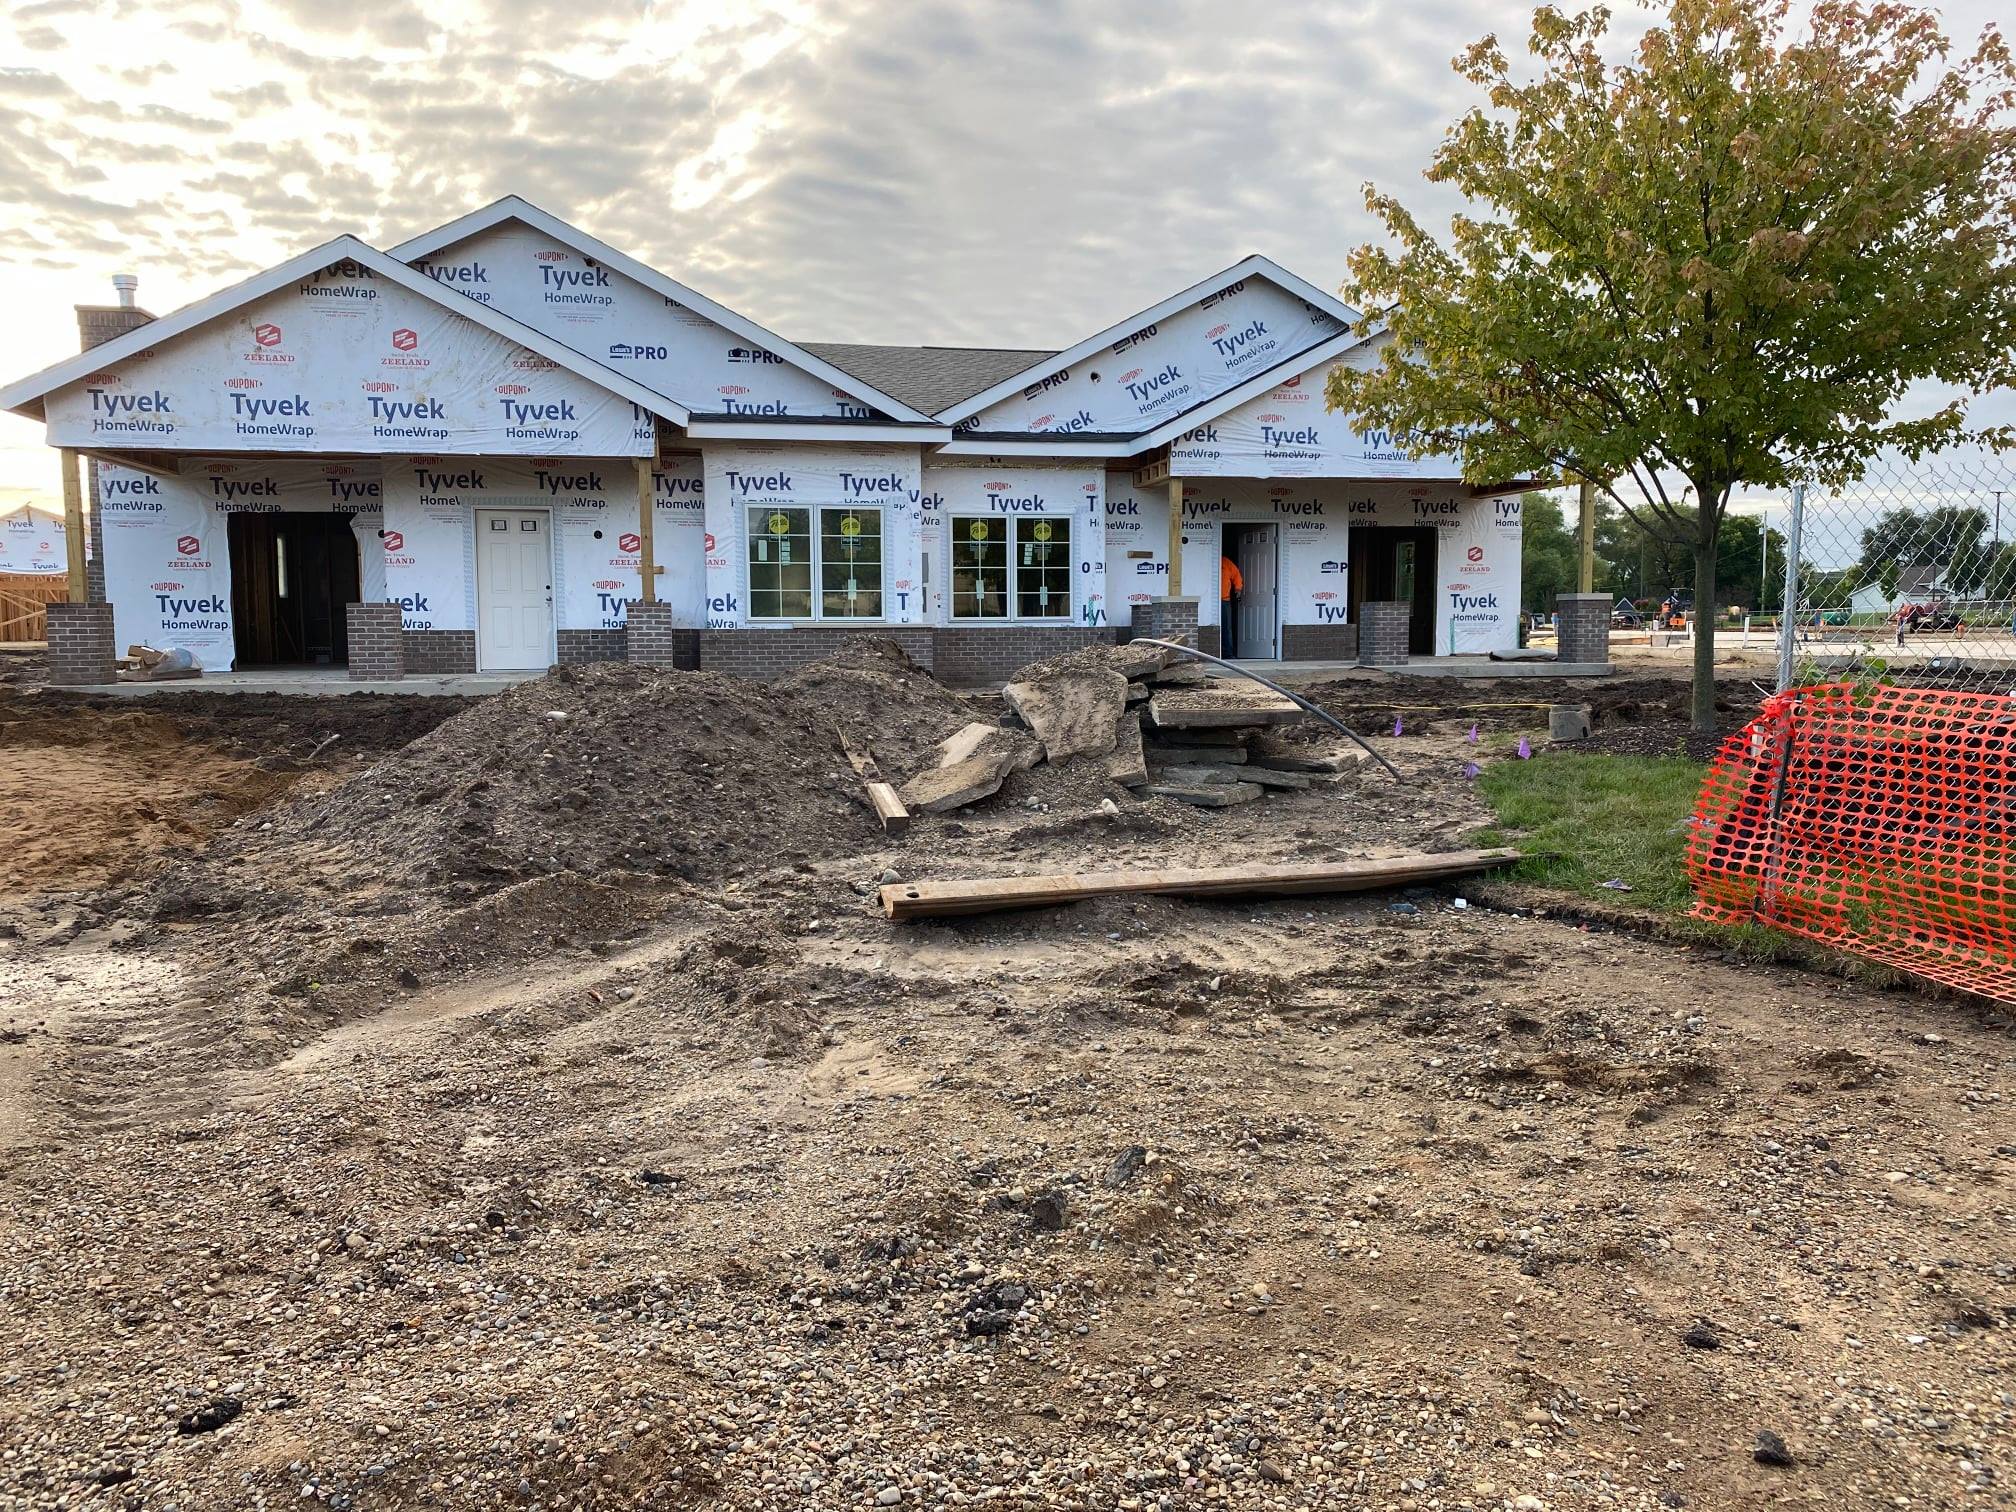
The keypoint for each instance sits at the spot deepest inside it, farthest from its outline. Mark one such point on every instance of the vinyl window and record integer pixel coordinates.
(795, 573)
(1003, 569)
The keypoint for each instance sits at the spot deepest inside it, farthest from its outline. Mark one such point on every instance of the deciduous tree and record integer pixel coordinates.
(1718, 263)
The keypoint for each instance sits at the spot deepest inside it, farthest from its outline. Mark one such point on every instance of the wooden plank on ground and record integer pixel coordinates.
(886, 801)
(916, 900)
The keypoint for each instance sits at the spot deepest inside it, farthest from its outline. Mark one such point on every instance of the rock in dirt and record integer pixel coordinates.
(1072, 702)
(1701, 1336)
(1772, 1450)
(1126, 1166)
(210, 1416)
(1047, 1212)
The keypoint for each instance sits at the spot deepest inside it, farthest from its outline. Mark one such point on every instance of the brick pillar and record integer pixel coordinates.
(80, 645)
(650, 639)
(1584, 634)
(1170, 619)
(377, 635)
(1382, 633)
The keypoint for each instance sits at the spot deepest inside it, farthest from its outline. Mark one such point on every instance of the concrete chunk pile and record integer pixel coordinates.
(1155, 721)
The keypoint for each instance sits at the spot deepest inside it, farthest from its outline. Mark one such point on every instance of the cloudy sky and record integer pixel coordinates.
(1014, 172)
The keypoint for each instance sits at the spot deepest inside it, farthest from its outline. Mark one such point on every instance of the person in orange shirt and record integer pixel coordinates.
(1230, 582)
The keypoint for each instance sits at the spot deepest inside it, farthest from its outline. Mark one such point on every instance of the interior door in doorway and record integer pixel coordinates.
(514, 590)
(1258, 559)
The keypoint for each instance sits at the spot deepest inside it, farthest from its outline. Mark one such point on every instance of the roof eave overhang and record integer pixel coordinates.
(702, 428)
(999, 446)
(513, 208)
(344, 248)
(1246, 267)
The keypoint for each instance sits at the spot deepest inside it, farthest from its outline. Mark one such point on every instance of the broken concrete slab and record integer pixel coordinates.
(1184, 674)
(976, 738)
(1285, 758)
(1208, 795)
(1126, 763)
(1209, 708)
(1204, 737)
(1267, 777)
(1139, 661)
(1072, 702)
(1211, 755)
(949, 787)
(1195, 776)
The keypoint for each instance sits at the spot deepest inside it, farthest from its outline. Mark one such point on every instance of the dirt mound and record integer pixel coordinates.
(89, 797)
(609, 769)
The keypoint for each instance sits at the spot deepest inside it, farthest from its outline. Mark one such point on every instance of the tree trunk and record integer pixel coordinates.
(1704, 633)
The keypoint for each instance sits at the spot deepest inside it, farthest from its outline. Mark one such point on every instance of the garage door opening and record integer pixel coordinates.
(292, 576)
(1396, 565)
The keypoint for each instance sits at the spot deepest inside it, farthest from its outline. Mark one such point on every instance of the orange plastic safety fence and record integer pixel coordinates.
(1877, 820)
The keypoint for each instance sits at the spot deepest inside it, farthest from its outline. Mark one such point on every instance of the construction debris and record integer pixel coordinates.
(1206, 794)
(881, 796)
(1127, 762)
(1072, 702)
(914, 900)
(1219, 708)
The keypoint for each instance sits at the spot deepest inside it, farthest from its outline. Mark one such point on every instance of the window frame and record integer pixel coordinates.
(816, 511)
(1012, 595)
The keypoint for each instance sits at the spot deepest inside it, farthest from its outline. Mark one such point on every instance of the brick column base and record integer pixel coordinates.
(81, 651)
(1583, 636)
(648, 634)
(1170, 619)
(1382, 633)
(377, 641)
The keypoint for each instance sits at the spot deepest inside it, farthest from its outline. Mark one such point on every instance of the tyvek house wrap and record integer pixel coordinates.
(33, 542)
(639, 332)
(742, 476)
(987, 488)
(167, 547)
(1288, 433)
(345, 361)
(1137, 545)
(430, 535)
(1164, 369)
(1476, 567)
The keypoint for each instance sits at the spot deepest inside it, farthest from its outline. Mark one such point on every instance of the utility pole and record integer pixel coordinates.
(1586, 578)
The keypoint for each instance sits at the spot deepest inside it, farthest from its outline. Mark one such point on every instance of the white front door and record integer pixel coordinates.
(1258, 616)
(514, 590)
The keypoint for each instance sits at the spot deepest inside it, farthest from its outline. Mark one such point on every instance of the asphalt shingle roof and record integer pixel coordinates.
(929, 378)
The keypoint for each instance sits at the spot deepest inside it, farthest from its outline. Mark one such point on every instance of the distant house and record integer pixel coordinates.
(1916, 584)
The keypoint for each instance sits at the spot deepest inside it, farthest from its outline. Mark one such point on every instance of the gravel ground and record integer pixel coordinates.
(625, 1190)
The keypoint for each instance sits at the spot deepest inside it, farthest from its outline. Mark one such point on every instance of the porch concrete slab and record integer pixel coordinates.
(324, 682)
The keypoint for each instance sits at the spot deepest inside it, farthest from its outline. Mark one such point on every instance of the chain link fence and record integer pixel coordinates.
(1908, 574)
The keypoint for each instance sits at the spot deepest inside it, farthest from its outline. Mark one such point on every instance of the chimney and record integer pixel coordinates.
(97, 324)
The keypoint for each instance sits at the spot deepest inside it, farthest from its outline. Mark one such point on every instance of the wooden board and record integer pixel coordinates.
(915, 900)
(882, 797)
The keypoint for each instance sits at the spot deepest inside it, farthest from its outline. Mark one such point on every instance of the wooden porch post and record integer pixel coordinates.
(1175, 538)
(73, 525)
(647, 545)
